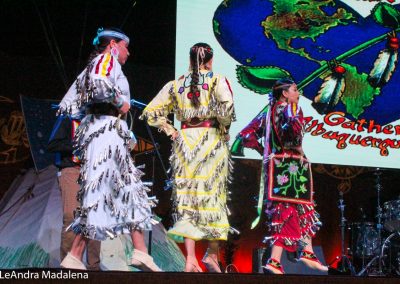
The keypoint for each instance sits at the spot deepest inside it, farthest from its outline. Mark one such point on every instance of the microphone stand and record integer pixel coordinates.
(378, 254)
(344, 261)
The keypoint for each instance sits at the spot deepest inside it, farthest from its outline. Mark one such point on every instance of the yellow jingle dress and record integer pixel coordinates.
(200, 159)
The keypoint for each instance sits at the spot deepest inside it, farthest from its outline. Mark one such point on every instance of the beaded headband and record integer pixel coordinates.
(101, 33)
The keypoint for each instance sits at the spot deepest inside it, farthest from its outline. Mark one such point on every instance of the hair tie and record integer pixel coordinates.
(200, 55)
(96, 40)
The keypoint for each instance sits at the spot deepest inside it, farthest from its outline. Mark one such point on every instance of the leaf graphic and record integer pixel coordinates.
(303, 179)
(358, 94)
(237, 147)
(216, 27)
(260, 79)
(386, 15)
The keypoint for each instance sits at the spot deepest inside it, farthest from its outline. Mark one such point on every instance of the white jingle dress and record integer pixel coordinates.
(113, 199)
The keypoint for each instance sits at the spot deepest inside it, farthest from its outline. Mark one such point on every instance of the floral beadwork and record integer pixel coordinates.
(292, 179)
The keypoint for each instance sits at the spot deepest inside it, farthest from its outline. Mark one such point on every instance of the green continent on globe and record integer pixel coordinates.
(301, 19)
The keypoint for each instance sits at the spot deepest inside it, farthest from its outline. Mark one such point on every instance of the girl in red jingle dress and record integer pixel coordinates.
(293, 219)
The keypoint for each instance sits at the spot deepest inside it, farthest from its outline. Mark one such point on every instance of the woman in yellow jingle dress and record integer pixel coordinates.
(200, 161)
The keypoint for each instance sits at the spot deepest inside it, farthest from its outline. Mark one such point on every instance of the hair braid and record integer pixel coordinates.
(194, 89)
(89, 67)
(200, 54)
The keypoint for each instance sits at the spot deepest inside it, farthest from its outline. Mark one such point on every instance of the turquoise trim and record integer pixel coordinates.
(30, 255)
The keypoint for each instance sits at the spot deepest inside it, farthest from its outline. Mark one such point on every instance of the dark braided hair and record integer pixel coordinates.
(104, 41)
(280, 86)
(200, 54)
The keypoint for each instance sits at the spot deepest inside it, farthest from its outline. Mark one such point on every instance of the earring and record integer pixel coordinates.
(114, 52)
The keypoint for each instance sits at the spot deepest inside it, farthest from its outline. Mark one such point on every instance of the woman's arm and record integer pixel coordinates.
(224, 105)
(109, 82)
(253, 132)
(158, 109)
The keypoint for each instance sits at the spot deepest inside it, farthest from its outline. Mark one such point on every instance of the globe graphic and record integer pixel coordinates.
(246, 31)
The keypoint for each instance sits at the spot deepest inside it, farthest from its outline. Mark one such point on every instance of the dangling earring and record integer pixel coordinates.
(114, 52)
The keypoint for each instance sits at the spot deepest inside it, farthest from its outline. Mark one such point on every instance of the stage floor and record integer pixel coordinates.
(54, 275)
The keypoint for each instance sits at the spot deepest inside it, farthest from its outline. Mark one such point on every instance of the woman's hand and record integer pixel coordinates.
(124, 108)
(174, 135)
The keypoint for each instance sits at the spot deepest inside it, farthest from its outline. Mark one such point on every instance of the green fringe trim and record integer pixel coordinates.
(162, 254)
(30, 255)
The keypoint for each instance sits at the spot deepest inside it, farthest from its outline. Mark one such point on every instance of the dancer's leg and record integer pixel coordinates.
(138, 241)
(140, 258)
(73, 259)
(276, 253)
(191, 262)
(273, 264)
(211, 258)
(309, 258)
(78, 246)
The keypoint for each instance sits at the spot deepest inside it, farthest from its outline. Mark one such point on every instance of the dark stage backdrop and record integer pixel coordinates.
(47, 45)
(40, 33)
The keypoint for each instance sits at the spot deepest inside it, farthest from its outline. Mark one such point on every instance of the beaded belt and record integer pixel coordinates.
(196, 122)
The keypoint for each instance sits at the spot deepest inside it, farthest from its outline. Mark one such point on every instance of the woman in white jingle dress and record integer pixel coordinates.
(113, 199)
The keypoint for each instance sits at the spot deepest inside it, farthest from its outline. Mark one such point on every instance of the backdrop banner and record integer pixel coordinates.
(343, 55)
